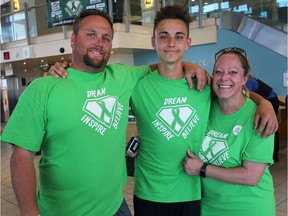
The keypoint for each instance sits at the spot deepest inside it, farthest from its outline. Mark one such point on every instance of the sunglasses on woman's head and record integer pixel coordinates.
(236, 50)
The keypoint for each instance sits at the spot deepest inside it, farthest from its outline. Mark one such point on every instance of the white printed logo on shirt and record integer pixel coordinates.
(214, 150)
(177, 120)
(102, 113)
(102, 109)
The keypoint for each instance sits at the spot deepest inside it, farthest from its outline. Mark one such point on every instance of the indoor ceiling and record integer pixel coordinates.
(35, 62)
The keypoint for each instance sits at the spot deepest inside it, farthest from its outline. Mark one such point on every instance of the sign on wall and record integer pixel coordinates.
(63, 12)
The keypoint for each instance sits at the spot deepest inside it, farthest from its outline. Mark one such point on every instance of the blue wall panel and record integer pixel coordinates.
(265, 64)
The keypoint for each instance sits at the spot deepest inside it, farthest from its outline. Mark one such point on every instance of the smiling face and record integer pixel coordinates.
(171, 40)
(92, 45)
(228, 77)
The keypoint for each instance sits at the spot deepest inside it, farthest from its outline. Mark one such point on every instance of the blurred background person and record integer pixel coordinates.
(267, 92)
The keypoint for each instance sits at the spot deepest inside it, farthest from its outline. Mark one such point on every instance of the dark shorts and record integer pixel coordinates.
(148, 208)
(123, 210)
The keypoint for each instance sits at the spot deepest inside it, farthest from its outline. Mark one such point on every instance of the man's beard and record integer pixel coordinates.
(95, 64)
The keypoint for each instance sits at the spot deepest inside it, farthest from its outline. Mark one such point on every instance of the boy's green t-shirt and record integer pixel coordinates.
(171, 118)
(79, 123)
(229, 140)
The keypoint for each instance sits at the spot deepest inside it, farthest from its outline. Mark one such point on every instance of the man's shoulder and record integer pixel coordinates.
(44, 83)
(46, 79)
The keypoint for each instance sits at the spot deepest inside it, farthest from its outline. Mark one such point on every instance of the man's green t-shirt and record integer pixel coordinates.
(79, 123)
(171, 118)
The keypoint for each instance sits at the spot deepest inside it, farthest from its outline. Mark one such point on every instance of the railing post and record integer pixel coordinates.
(64, 29)
(200, 13)
(156, 7)
(110, 9)
(126, 15)
(27, 27)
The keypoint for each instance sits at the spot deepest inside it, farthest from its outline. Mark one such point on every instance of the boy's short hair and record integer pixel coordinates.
(172, 12)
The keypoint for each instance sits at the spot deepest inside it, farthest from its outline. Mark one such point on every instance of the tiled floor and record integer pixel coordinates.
(9, 204)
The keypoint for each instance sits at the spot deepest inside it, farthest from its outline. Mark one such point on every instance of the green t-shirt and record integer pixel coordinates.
(229, 140)
(79, 123)
(171, 118)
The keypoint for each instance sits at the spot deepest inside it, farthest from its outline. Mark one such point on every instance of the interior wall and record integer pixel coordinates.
(265, 64)
(121, 58)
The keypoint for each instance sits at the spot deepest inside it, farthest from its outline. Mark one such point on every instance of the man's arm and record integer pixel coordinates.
(191, 71)
(23, 178)
(265, 117)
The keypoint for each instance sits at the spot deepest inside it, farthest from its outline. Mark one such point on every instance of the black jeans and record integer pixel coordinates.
(149, 208)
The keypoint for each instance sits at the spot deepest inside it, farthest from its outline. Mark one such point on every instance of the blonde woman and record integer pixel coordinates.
(233, 160)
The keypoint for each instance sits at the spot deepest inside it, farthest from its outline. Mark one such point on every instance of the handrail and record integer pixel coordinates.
(256, 31)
